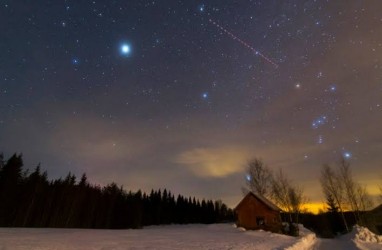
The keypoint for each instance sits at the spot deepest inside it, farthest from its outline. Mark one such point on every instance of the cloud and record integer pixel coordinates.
(215, 162)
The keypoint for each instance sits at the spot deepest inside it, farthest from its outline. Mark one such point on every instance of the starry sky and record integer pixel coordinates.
(181, 94)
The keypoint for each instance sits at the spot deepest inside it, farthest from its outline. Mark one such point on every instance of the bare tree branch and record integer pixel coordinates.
(287, 196)
(345, 175)
(333, 187)
(258, 177)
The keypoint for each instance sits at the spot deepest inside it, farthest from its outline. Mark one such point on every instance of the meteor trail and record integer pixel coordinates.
(244, 43)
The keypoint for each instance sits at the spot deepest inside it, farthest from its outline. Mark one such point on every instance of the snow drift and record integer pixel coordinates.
(363, 234)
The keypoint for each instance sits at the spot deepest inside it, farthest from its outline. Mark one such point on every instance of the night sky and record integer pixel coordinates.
(181, 94)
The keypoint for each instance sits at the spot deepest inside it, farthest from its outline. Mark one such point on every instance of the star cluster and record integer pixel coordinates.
(154, 94)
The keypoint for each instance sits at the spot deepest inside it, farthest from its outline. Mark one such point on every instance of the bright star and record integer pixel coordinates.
(201, 8)
(347, 155)
(125, 49)
(248, 177)
(205, 95)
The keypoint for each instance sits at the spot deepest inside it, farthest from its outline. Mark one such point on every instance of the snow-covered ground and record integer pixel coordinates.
(307, 240)
(358, 238)
(217, 236)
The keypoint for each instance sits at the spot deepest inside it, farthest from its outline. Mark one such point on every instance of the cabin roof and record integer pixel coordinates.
(262, 199)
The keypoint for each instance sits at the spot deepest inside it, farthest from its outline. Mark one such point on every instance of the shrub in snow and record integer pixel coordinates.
(290, 229)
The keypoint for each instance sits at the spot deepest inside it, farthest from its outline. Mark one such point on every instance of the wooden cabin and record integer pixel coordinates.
(257, 212)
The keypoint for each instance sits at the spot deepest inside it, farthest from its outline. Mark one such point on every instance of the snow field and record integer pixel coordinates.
(195, 237)
(216, 236)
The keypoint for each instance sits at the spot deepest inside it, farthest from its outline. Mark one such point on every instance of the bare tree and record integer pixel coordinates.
(347, 193)
(287, 196)
(333, 187)
(258, 178)
(363, 198)
(350, 187)
(356, 194)
(297, 199)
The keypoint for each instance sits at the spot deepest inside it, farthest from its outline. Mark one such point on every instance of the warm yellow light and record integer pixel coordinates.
(314, 208)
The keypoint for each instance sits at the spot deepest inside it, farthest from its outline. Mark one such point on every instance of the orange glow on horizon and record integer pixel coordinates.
(314, 208)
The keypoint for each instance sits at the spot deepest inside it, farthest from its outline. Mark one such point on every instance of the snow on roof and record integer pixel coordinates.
(264, 200)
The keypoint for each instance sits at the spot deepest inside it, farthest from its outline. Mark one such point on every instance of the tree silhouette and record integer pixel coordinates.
(30, 200)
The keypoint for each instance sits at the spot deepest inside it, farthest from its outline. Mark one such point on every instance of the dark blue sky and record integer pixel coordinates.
(188, 105)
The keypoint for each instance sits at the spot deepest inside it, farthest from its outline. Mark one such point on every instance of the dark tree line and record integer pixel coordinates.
(29, 199)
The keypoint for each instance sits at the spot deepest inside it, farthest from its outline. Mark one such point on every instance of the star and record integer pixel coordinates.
(319, 121)
(75, 61)
(125, 49)
(320, 139)
(333, 88)
(347, 155)
(205, 95)
(248, 177)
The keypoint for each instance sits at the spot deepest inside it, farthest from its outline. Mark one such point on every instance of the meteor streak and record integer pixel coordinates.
(243, 43)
